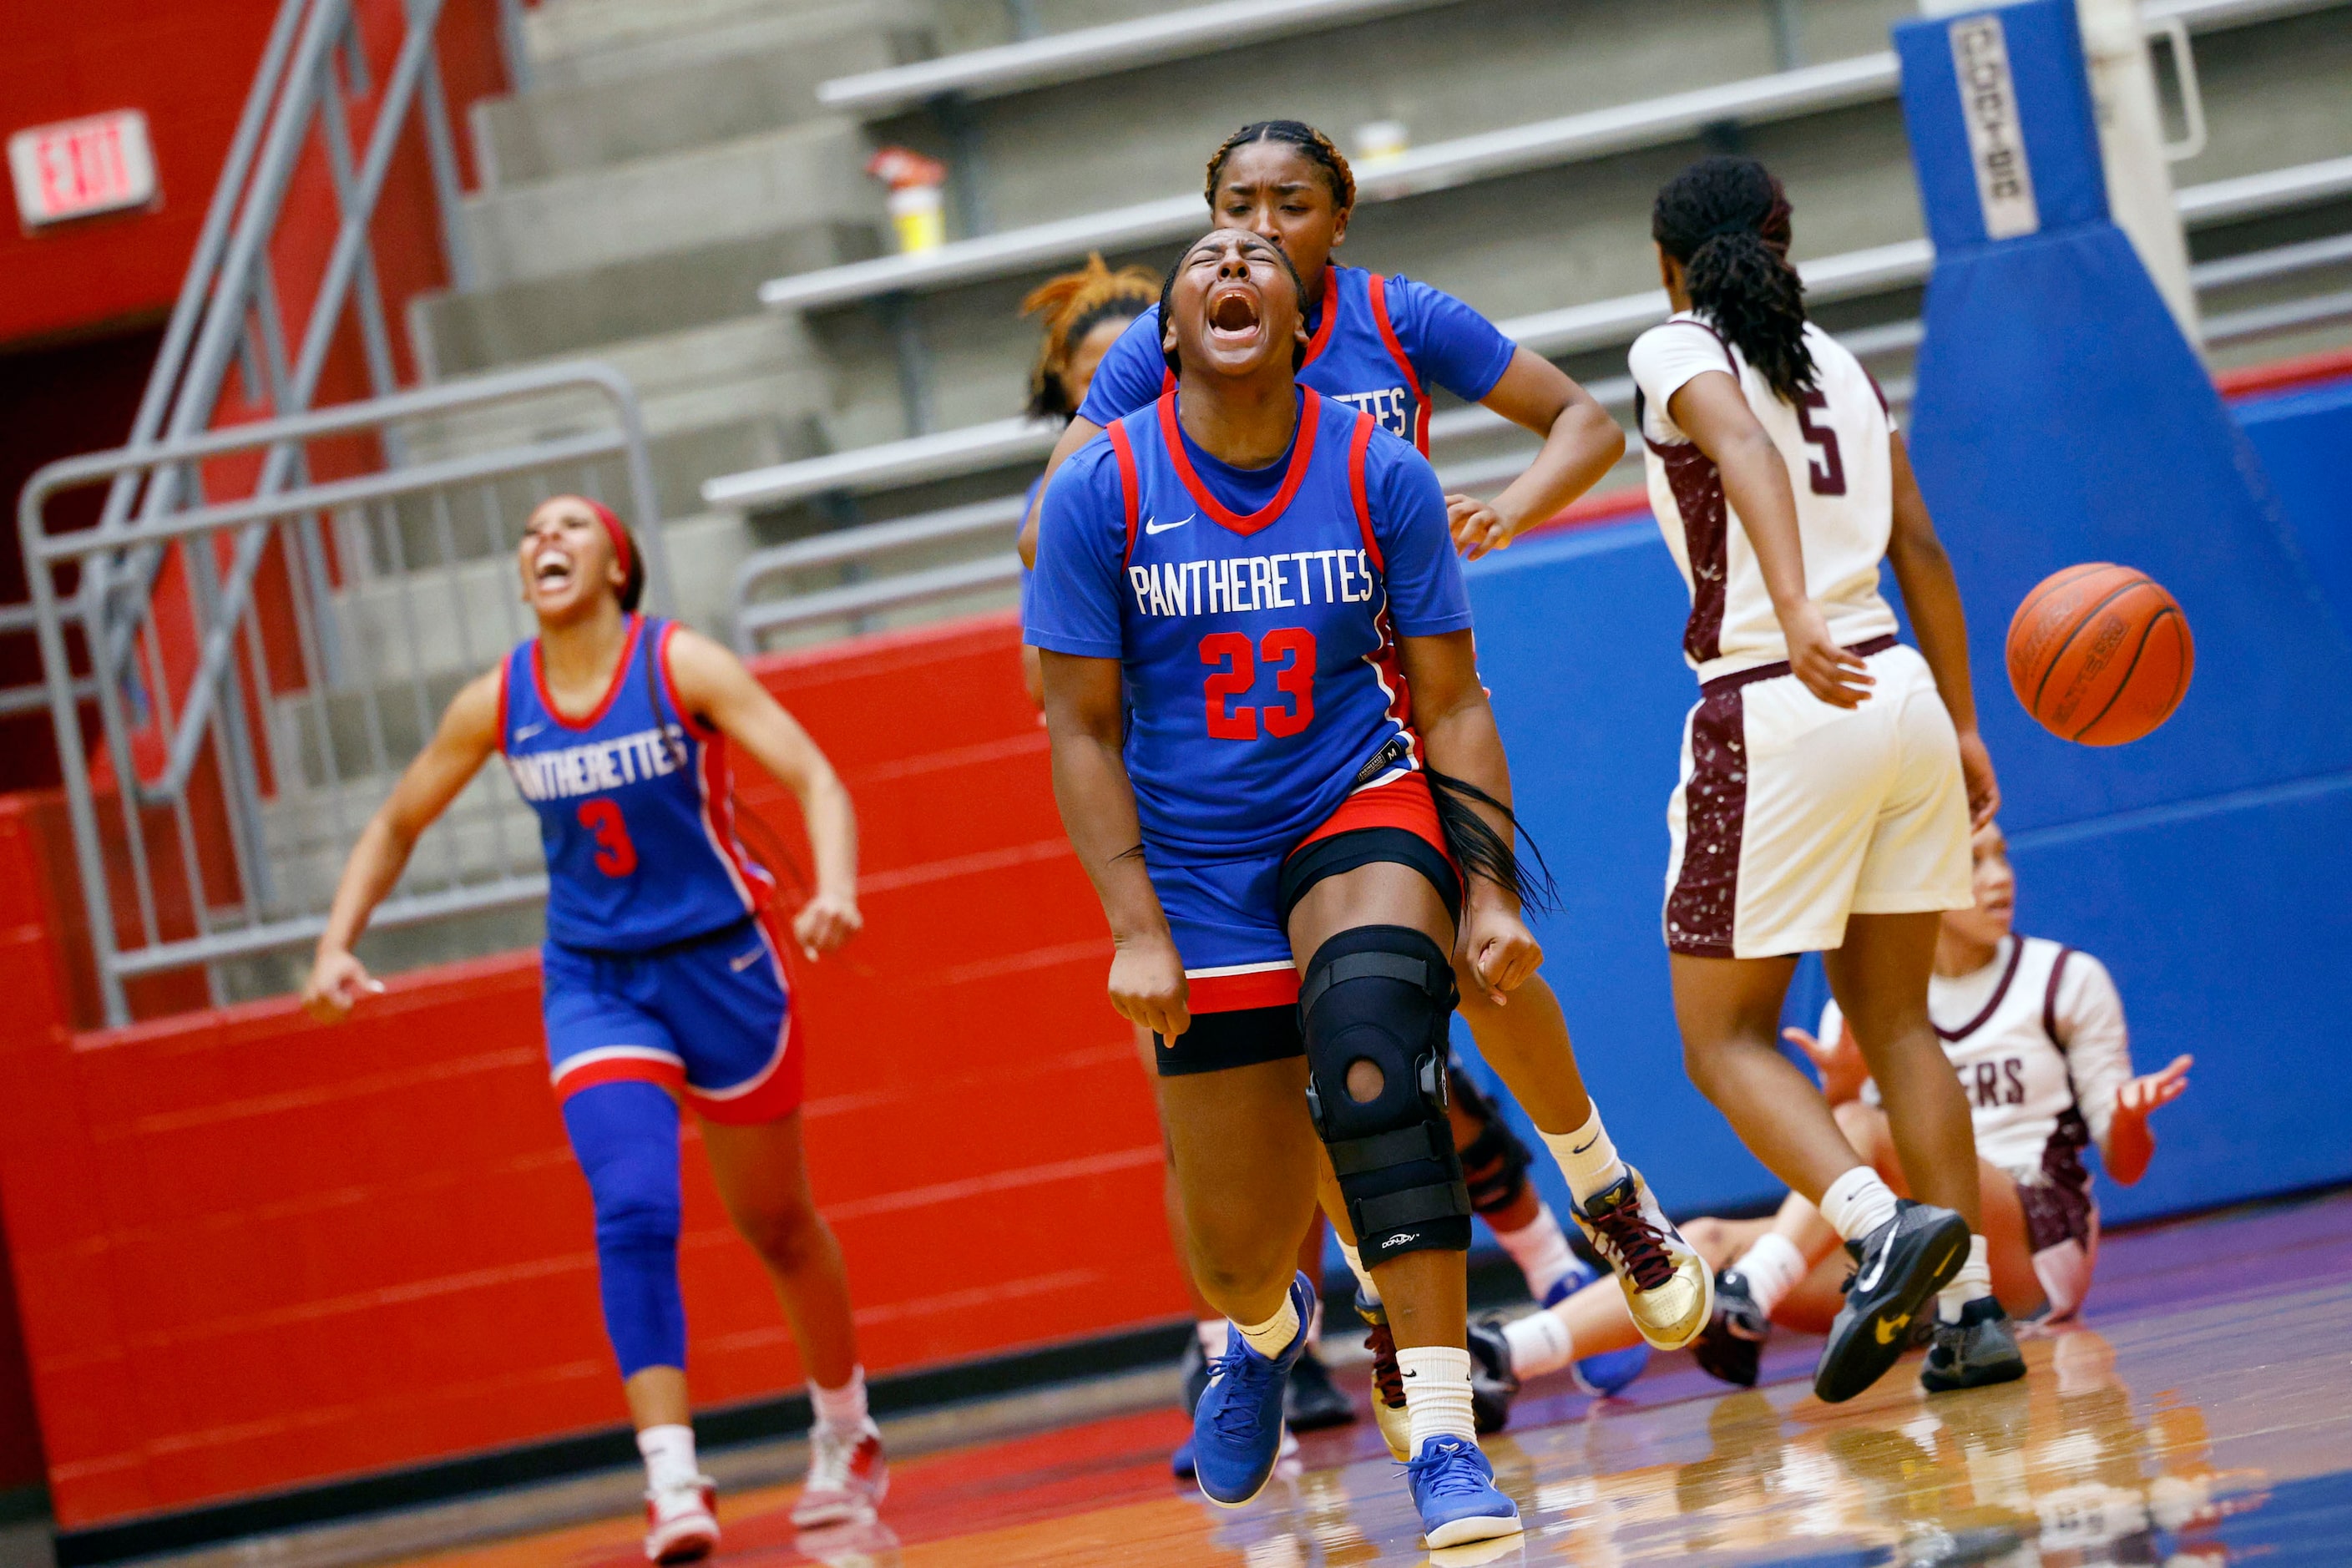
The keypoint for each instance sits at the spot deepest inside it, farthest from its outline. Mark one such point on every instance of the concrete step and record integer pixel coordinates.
(575, 313)
(755, 81)
(581, 43)
(807, 174)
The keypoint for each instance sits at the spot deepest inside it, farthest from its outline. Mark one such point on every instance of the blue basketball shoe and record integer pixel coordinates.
(1611, 1371)
(1453, 1487)
(1237, 1425)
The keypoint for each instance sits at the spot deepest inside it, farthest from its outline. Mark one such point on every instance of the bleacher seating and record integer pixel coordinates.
(645, 188)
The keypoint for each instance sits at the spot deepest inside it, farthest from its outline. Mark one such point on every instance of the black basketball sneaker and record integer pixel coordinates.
(1313, 1400)
(1899, 1269)
(1731, 1346)
(1980, 1348)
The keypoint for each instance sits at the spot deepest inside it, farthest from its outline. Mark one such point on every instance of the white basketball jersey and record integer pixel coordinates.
(1836, 443)
(2040, 1049)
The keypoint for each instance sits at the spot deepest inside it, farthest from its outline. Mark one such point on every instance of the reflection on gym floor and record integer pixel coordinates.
(2203, 1416)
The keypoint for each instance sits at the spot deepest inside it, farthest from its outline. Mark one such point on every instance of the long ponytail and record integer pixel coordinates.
(1726, 220)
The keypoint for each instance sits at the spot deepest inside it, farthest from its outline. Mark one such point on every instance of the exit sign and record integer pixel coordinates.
(99, 164)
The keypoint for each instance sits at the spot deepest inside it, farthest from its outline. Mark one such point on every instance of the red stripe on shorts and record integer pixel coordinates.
(1403, 803)
(1237, 993)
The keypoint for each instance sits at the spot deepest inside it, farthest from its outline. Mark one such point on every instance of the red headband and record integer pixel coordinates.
(613, 529)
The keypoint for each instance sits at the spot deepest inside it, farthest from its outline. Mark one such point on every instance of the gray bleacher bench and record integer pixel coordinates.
(1597, 133)
(1572, 329)
(1088, 52)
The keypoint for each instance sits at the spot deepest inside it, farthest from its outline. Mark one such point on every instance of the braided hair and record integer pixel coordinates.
(1312, 144)
(1074, 305)
(1168, 298)
(1726, 220)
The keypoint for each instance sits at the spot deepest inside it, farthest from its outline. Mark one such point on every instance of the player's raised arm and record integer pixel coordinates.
(714, 684)
(468, 733)
(1580, 444)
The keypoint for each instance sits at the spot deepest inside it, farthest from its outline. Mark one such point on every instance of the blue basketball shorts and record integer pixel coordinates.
(1231, 921)
(710, 1019)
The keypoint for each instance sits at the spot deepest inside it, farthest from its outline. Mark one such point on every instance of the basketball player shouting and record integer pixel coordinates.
(1256, 650)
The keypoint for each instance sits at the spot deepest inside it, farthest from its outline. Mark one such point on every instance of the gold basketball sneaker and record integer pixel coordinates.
(1669, 1289)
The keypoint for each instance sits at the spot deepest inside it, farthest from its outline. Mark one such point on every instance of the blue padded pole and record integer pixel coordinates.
(2060, 417)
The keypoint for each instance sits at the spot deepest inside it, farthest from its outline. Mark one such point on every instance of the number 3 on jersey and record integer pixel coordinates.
(1238, 672)
(615, 855)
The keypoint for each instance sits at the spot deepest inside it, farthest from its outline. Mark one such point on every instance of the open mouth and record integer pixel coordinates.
(1233, 315)
(550, 569)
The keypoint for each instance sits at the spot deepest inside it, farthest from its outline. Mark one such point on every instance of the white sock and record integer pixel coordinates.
(1857, 1203)
(1772, 1267)
(1437, 1394)
(1273, 1337)
(1210, 1333)
(1539, 1343)
(1364, 1275)
(1540, 1250)
(843, 1409)
(1587, 1158)
(669, 1456)
(1974, 1279)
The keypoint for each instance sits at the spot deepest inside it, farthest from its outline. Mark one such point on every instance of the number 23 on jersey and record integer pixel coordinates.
(1289, 652)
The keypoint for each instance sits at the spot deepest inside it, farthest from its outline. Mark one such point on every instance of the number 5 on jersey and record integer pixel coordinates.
(1237, 672)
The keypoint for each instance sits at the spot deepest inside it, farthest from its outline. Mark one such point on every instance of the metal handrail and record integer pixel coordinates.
(226, 626)
(1086, 52)
(1003, 515)
(1755, 100)
(1000, 443)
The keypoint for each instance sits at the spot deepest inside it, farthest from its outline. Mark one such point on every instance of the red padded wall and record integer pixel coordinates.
(253, 1252)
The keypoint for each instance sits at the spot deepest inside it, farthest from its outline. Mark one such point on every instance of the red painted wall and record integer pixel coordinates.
(187, 64)
(253, 1252)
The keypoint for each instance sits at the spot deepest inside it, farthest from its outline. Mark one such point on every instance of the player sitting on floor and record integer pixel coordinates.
(2035, 1031)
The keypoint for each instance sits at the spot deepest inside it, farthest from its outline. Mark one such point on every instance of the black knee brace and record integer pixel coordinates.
(1495, 1163)
(1381, 994)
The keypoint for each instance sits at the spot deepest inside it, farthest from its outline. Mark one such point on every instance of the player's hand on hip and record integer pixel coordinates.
(1477, 526)
(338, 980)
(1147, 985)
(1503, 953)
(1835, 675)
(824, 923)
(1975, 771)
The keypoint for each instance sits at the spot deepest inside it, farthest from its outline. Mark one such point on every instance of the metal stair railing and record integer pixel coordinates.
(419, 553)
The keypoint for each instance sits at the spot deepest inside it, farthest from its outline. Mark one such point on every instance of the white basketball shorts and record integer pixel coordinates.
(1793, 815)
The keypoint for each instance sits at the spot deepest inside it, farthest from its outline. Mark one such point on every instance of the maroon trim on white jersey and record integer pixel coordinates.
(2016, 955)
(2050, 997)
(1702, 911)
(1697, 485)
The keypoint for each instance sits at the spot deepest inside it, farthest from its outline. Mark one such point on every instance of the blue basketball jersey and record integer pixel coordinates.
(636, 805)
(1376, 345)
(1259, 647)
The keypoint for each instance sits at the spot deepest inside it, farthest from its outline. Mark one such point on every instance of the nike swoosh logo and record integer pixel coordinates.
(1890, 1328)
(1164, 527)
(528, 730)
(1869, 1281)
(1580, 1147)
(740, 964)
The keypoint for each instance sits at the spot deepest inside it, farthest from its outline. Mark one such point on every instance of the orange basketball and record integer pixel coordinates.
(2100, 653)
